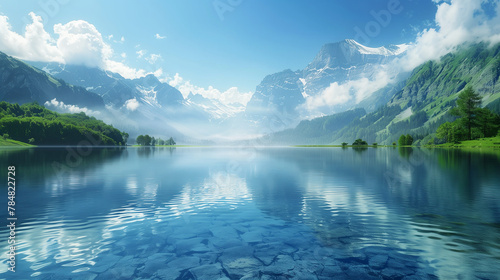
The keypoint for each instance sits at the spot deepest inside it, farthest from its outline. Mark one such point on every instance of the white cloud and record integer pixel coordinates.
(78, 42)
(81, 43)
(458, 22)
(61, 107)
(351, 91)
(159, 37)
(35, 45)
(125, 71)
(153, 58)
(140, 53)
(132, 104)
(123, 55)
(232, 95)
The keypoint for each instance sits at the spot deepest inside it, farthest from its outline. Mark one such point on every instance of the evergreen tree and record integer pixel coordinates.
(170, 142)
(468, 103)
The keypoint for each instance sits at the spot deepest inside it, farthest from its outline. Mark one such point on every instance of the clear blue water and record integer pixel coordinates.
(253, 213)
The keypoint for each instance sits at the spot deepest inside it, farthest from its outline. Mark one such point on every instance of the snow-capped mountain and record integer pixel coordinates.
(344, 61)
(280, 95)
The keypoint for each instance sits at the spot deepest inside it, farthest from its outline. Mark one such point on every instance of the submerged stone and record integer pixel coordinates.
(378, 261)
(252, 237)
(196, 245)
(209, 271)
(224, 232)
(360, 272)
(282, 266)
(241, 267)
(155, 262)
(168, 273)
(183, 263)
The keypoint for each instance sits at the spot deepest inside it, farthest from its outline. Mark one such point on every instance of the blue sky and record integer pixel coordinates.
(235, 46)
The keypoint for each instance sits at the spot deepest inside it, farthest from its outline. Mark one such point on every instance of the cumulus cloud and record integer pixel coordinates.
(65, 108)
(36, 44)
(140, 53)
(81, 43)
(159, 37)
(232, 95)
(352, 91)
(78, 42)
(458, 22)
(153, 58)
(132, 104)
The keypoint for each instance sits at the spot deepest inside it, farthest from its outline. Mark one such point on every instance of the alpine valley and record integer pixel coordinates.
(288, 107)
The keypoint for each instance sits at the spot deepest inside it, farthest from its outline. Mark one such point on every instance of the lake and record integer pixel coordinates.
(253, 213)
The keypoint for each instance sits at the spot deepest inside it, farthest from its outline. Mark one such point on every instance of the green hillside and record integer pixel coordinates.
(9, 142)
(34, 124)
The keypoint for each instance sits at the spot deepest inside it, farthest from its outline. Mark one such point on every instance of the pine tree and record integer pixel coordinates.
(468, 103)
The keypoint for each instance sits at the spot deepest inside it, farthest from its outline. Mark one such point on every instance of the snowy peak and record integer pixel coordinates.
(389, 50)
(349, 53)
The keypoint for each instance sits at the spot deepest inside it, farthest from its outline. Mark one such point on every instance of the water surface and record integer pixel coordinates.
(254, 213)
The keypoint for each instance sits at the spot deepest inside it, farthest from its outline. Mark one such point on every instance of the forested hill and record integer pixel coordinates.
(34, 124)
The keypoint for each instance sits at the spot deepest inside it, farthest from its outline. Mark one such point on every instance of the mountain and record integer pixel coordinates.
(345, 61)
(275, 100)
(279, 97)
(423, 101)
(22, 83)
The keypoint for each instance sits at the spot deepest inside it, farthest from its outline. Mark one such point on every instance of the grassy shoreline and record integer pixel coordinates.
(493, 142)
(340, 146)
(13, 143)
